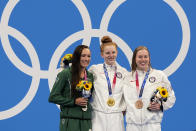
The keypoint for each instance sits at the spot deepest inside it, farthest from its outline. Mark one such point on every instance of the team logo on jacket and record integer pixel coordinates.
(118, 75)
(152, 79)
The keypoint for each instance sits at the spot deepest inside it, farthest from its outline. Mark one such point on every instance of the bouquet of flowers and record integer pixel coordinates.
(85, 88)
(84, 85)
(160, 94)
(66, 60)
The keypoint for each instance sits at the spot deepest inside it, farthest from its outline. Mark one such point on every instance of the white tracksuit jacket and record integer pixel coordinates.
(142, 119)
(106, 118)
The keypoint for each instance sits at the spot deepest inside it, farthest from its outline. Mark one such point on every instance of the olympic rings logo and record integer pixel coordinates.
(86, 35)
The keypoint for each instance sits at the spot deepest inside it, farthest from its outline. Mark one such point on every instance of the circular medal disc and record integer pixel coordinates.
(111, 102)
(139, 104)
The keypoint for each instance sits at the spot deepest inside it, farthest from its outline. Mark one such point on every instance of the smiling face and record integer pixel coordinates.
(109, 54)
(142, 60)
(85, 58)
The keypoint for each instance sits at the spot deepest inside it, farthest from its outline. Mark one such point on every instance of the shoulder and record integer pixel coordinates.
(122, 69)
(119, 67)
(65, 72)
(158, 75)
(94, 68)
(158, 72)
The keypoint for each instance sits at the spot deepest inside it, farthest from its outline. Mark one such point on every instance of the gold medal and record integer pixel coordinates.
(139, 104)
(111, 102)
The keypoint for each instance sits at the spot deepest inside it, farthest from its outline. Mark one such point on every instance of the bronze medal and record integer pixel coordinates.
(111, 102)
(139, 104)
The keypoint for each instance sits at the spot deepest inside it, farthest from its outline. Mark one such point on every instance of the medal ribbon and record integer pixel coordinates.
(137, 82)
(143, 84)
(85, 75)
(108, 80)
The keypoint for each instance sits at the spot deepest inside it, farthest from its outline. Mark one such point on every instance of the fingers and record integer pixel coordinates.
(154, 106)
(81, 101)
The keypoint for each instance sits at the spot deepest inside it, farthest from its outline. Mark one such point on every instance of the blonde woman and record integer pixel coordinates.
(145, 105)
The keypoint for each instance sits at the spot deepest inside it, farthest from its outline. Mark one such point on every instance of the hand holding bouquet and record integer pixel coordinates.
(85, 88)
(159, 95)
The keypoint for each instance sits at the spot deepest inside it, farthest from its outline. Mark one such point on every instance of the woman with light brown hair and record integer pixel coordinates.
(147, 95)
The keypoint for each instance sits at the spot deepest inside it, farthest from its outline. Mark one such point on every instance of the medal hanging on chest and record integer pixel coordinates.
(139, 104)
(110, 101)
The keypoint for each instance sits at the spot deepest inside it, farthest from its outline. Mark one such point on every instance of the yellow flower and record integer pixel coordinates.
(84, 85)
(163, 92)
(67, 57)
(87, 86)
(80, 85)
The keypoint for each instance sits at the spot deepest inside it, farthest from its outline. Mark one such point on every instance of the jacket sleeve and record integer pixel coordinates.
(60, 93)
(171, 97)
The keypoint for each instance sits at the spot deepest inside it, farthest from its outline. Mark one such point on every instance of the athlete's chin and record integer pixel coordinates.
(84, 65)
(143, 68)
(111, 62)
